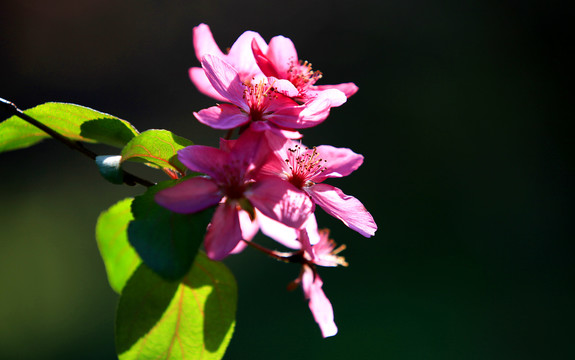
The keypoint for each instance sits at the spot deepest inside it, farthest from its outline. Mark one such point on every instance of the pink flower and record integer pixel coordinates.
(319, 304)
(280, 60)
(259, 99)
(240, 56)
(324, 253)
(307, 168)
(232, 186)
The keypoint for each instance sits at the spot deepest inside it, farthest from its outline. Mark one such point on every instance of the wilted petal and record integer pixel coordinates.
(340, 162)
(344, 207)
(319, 304)
(224, 232)
(189, 196)
(223, 116)
(199, 78)
(280, 201)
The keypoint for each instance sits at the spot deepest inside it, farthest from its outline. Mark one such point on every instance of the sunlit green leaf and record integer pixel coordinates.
(192, 319)
(120, 259)
(112, 131)
(67, 119)
(156, 148)
(166, 241)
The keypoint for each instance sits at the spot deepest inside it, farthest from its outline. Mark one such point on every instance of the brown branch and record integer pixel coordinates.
(12, 109)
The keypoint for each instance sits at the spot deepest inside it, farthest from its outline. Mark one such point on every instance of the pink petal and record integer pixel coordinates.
(277, 136)
(347, 88)
(284, 87)
(249, 230)
(344, 207)
(282, 53)
(204, 159)
(312, 230)
(315, 111)
(336, 98)
(241, 56)
(319, 304)
(265, 64)
(286, 114)
(285, 235)
(204, 42)
(280, 201)
(340, 162)
(305, 243)
(225, 79)
(302, 116)
(201, 81)
(224, 232)
(250, 151)
(223, 116)
(189, 196)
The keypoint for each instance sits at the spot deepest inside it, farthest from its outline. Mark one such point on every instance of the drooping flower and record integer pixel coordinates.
(306, 169)
(280, 59)
(325, 254)
(233, 184)
(240, 56)
(261, 99)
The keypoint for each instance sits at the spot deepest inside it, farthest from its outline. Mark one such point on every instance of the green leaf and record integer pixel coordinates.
(112, 131)
(192, 319)
(66, 119)
(109, 166)
(158, 149)
(120, 258)
(166, 241)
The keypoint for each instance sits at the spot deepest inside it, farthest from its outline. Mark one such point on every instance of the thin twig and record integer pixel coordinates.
(11, 108)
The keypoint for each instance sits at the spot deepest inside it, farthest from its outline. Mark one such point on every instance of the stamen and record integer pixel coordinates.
(304, 165)
(258, 97)
(302, 76)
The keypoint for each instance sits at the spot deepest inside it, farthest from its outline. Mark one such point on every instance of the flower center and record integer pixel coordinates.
(304, 165)
(258, 96)
(233, 181)
(302, 76)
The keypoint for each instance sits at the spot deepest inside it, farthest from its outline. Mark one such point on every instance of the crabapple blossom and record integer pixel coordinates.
(240, 56)
(280, 60)
(307, 168)
(232, 187)
(325, 254)
(259, 99)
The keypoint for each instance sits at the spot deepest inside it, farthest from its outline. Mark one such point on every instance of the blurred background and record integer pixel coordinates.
(463, 119)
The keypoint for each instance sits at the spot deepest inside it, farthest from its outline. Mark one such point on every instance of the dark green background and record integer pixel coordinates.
(463, 120)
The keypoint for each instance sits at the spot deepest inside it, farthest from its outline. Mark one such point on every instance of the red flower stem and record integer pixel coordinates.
(12, 109)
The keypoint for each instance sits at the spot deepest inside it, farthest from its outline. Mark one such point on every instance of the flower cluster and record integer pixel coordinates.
(266, 179)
